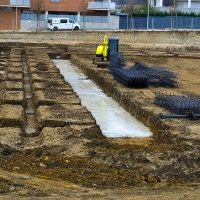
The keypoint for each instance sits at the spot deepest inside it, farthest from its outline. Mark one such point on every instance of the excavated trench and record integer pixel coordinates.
(113, 120)
(30, 122)
(45, 131)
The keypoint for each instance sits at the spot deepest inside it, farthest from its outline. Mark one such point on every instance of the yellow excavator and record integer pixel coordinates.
(103, 52)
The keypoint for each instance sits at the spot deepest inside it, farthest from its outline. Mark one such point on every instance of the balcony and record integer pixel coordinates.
(20, 3)
(104, 5)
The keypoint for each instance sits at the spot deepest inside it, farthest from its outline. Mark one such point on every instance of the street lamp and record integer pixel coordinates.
(148, 16)
(108, 14)
(16, 15)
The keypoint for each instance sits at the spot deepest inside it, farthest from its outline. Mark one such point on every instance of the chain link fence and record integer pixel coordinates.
(163, 23)
(123, 22)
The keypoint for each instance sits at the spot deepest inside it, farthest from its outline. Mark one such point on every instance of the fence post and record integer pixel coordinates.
(152, 24)
(132, 23)
(171, 22)
(192, 23)
(127, 22)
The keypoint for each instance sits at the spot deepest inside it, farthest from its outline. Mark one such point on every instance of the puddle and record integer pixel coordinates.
(30, 130)
(27, 86)
(113, 120)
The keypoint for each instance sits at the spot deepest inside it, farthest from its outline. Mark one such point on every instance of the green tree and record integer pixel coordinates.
(122, 3)
(130, 8)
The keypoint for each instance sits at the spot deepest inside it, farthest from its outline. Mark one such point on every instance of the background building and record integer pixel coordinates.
(11, 11)
(92, 14)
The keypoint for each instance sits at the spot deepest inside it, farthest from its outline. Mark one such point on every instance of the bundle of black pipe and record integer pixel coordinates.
(179, 105)
(130, 78)
(127, 76)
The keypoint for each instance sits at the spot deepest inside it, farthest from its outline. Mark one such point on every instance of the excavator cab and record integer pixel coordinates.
(110, 46)
(113, 46)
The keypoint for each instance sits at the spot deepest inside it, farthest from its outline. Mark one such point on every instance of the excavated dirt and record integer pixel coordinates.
(64, 154)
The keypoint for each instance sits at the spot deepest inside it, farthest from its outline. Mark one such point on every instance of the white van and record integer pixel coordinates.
(48, 23)
(63, 24)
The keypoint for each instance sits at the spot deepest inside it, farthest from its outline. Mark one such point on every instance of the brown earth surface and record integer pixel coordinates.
(52, 148)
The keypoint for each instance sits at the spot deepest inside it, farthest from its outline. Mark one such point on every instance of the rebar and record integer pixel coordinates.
(140, 75)
(158, 75)
(180, 105)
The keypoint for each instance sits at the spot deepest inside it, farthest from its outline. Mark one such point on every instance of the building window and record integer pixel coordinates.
(55, 0)
(168, 3)
(4, 8)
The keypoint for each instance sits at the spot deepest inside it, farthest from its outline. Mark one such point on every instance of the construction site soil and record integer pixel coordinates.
(52, 148)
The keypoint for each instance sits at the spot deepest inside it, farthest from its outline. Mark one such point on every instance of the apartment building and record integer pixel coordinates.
(181, 5)
(10, 14)
(10, 10)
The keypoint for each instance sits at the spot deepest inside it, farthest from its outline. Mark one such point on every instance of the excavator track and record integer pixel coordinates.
(99, 63)
(102, 64)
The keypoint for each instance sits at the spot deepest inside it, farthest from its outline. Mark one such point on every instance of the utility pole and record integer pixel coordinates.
(108, 14)
(16, 15)
(148, 16)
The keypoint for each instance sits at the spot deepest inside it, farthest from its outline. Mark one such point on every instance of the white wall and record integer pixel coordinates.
(113, 25)
(195, 5)
(32, 25)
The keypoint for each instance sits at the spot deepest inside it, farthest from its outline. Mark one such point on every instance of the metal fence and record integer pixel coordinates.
(101, 5)
(130, 23)
(20, 2)
(167, 22)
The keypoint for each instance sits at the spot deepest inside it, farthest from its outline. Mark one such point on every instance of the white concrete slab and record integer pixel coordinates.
(113, 120)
